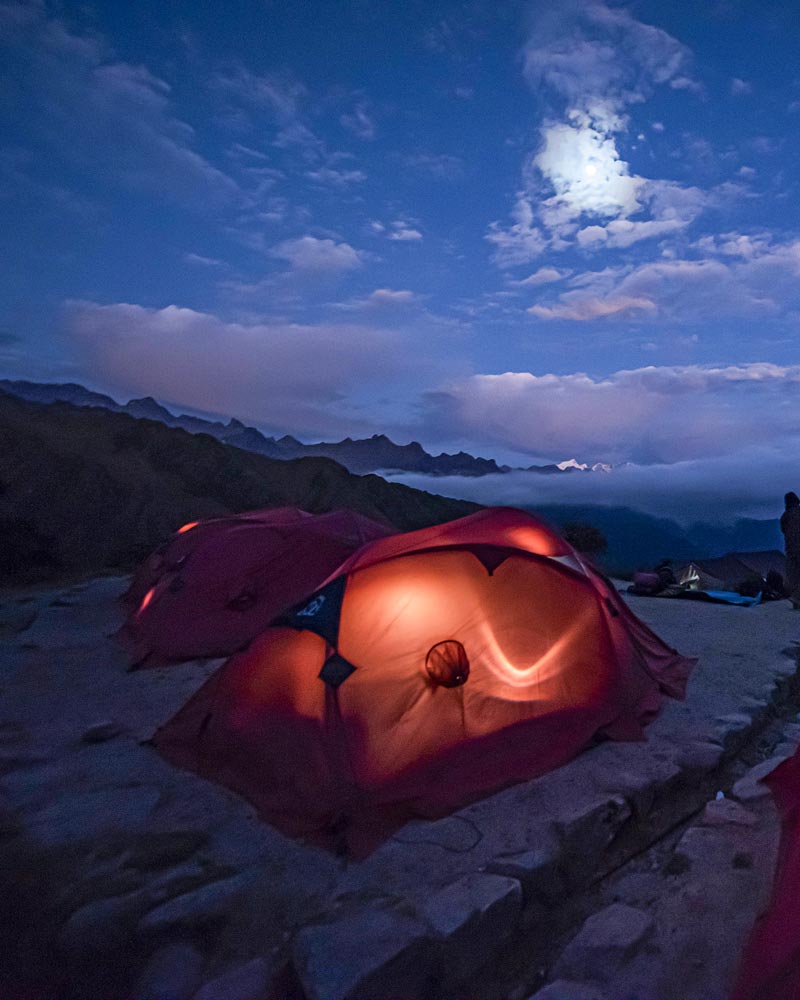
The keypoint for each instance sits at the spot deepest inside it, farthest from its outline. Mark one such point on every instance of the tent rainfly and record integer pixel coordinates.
(429, 669)
(217, 584)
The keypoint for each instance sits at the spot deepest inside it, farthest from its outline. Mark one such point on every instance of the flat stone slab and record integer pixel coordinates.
(473, 918)
(370, 955)
(94, 811)
(605, 941)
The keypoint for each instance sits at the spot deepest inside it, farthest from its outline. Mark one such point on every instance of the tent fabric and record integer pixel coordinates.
(770, 967)
(430, 669)
(218, 583)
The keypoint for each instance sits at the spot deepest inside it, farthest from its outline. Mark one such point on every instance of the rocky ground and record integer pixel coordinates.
(633, 873)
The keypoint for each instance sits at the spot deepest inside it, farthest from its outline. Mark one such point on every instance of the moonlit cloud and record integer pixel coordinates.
(601, 58)
(582, 165)
(583, 189)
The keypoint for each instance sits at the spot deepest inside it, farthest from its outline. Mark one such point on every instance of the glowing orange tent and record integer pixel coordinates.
(431, 668)
(218, 583)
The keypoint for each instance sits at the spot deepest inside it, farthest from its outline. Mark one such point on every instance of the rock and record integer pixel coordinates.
(563, 989)
(15, 619)
(749, 787)
(173, 973)
(588, 832)
(246, 982)
(639, 888)
(699, 759)
(154, 849)
(699, 846)
(102, 927)
(537, 871)
(723, 811)
(101, 731)
(473, 918)
(85, 816)
(374, 954)
(605, 942)
(199, 908)
(733, 729)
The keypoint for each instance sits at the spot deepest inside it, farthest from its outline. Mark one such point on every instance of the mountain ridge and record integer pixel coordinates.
(361, 455)
(84, 490)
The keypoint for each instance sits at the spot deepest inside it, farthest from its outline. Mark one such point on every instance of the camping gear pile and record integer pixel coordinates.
(424, 670)
(744, 578)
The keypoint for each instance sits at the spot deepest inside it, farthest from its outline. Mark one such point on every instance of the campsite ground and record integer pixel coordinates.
(611, 877)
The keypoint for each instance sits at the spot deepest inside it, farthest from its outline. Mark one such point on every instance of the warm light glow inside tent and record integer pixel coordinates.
(431, 668)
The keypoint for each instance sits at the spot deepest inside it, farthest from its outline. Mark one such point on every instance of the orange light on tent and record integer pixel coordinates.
(148, 597)
(187, 527)
(535, 540)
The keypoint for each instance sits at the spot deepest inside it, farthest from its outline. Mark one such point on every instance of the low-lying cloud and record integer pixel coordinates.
(646, 415)
(715, 491)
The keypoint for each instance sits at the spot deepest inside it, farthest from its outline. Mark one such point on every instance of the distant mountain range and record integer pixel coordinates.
(360, 456)
(637, 540)
(82, 492)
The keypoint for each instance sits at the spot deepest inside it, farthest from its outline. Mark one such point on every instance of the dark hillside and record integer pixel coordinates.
(83, 489)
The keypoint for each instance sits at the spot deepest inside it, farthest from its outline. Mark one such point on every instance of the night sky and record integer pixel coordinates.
(531, 230)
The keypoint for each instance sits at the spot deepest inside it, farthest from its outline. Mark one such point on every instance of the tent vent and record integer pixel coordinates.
(336, 670)
(447, 664)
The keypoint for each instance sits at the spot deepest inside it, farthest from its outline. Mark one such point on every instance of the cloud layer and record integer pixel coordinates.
(646, 415)
(286, 376)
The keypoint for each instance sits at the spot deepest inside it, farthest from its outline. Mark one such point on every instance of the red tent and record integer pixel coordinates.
(218, 583)
(770, 968)
(431, 668)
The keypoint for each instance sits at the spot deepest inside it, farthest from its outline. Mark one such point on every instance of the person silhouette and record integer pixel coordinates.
(790, 526)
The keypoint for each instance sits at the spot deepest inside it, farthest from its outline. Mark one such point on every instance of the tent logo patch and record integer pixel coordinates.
(313, 608)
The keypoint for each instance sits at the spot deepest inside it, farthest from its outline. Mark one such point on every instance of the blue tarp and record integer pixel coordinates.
(722, 597)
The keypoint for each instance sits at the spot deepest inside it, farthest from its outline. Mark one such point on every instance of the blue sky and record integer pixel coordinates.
(530, 230)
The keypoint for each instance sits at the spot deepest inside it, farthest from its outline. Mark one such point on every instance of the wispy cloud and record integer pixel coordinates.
(109, 117)
(360, 122)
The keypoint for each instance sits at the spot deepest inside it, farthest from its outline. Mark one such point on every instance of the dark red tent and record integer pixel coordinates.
(431, 668)
(770, 968)
(218, 583)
